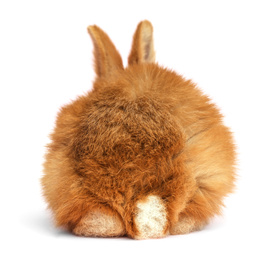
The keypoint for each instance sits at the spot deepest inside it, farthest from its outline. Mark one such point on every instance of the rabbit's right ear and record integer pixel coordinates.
(142, 47)
(107, 58)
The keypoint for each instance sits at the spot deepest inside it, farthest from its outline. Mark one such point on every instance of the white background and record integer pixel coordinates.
(46, 61)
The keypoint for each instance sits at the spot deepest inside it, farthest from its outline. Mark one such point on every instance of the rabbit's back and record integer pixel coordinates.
(146, 112)
(126, 121)
(146, 115)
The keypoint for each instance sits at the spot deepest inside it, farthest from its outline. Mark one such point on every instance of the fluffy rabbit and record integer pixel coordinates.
(144, 154)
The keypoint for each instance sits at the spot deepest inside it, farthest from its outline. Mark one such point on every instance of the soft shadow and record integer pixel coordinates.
(43, 223)
(216, 223)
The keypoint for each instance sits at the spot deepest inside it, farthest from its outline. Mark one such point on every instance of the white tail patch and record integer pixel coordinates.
(151, 218)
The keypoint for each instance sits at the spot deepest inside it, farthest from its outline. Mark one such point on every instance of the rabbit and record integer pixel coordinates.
(144, 154)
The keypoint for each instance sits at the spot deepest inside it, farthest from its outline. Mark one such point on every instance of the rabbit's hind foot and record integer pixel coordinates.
(98, 223)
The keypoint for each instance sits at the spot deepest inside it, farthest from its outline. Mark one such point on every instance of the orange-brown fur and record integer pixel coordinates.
(143, 130)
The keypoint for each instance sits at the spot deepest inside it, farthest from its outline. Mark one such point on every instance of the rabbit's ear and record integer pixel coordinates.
(106, 56)
(142, 46)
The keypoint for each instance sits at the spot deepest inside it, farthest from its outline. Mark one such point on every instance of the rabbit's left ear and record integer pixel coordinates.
(107, 58)
(142, 47)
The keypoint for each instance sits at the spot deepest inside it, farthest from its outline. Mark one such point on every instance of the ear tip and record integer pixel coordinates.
(146, 24)
(91, 28)
(94, 30)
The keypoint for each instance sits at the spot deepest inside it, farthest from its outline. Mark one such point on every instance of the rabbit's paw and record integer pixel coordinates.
(100, 224)
(186, 225)
(151, 218)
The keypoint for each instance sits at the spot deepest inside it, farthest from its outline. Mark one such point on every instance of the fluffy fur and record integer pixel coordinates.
(144, 141)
